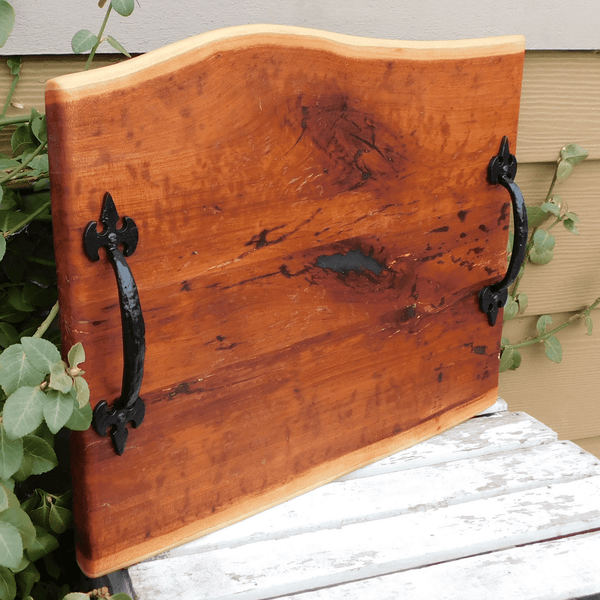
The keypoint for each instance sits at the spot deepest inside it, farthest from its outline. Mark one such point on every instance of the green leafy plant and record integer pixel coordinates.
(41, 396)
(84, 40)
(540, 250)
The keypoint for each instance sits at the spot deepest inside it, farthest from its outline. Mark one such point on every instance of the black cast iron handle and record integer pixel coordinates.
(129, 407)
(502, 169)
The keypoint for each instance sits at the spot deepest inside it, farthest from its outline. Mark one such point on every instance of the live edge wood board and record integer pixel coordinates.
(248, 157)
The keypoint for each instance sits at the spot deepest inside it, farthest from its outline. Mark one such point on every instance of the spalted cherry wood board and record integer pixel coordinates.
(248, 158)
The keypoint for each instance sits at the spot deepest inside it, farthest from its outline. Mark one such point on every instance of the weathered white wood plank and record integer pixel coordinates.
(405, 492)
(312, 560)
(556, 570)
(499, 406)
(498, 432)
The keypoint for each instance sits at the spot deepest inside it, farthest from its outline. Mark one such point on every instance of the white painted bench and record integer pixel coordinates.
(496, 508)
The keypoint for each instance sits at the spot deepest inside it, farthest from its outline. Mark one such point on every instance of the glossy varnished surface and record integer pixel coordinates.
(259, 167)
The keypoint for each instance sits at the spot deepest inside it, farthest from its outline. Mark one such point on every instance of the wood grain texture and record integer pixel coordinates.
(247, 161)
(563, 396)
(564, 568)
(404, 492)
(347, 553)
(558, 99)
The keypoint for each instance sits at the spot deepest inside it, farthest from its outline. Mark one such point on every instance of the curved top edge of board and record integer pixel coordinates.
(196, 48)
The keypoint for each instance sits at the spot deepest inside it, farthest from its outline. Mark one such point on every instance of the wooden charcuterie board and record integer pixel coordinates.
(315, 225)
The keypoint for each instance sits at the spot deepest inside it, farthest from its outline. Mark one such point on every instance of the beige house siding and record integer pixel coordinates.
(560, 105)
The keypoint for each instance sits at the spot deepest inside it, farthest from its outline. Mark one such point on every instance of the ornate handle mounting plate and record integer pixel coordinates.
(129, 407)
(502, 169)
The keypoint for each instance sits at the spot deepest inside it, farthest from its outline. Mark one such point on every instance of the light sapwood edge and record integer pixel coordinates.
(201, 46)
(317, 477)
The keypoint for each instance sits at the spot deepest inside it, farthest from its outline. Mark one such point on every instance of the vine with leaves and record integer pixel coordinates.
(540, 250)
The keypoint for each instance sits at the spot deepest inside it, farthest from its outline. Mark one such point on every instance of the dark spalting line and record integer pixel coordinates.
(505, 212)
(432, 257)
(354, 260)
(260, 241)
(283, 269)
(245, 281)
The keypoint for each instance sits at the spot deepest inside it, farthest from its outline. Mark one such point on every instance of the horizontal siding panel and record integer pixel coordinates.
(35, 72)
(559, 104)
(559, 100)
(562, 396)
(571, 281)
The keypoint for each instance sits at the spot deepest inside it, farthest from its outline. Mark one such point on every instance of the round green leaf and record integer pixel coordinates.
(58, 408)
(83, 391)
(510, 359)
(123, 7)
(43, 544)
(569, 225)
(573, 153)
(117, 46)
(553, 349)
(11, 546)
(543, 240)
(76, 355)
(60, 519)
(11, 454)
(20, 520)
(8, 334)
(59, 380)
(523, 301)
(4, 501)
(26, 579)
(81, 419)
(540, 258)
(41, 353)
(550, 207)
(563, 171)
(8, 587)
(535, 216)
(40, 453)
(21, 140)
(83, 41)
(38, 127)
(77, 596)
(543, 322)
(14, 64)
(7, 22)
(40, 515)
(12, 499)
(2, 246)
(511, 309)
(10, 220)
(15, 299)
(23, 411)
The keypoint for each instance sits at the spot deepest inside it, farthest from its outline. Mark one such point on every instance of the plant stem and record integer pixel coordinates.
(540, 338)
(551, 188)
(27, 220)
(9, 96)
(23, 165)
(99, 41)
(14, 120)
(41, 330)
